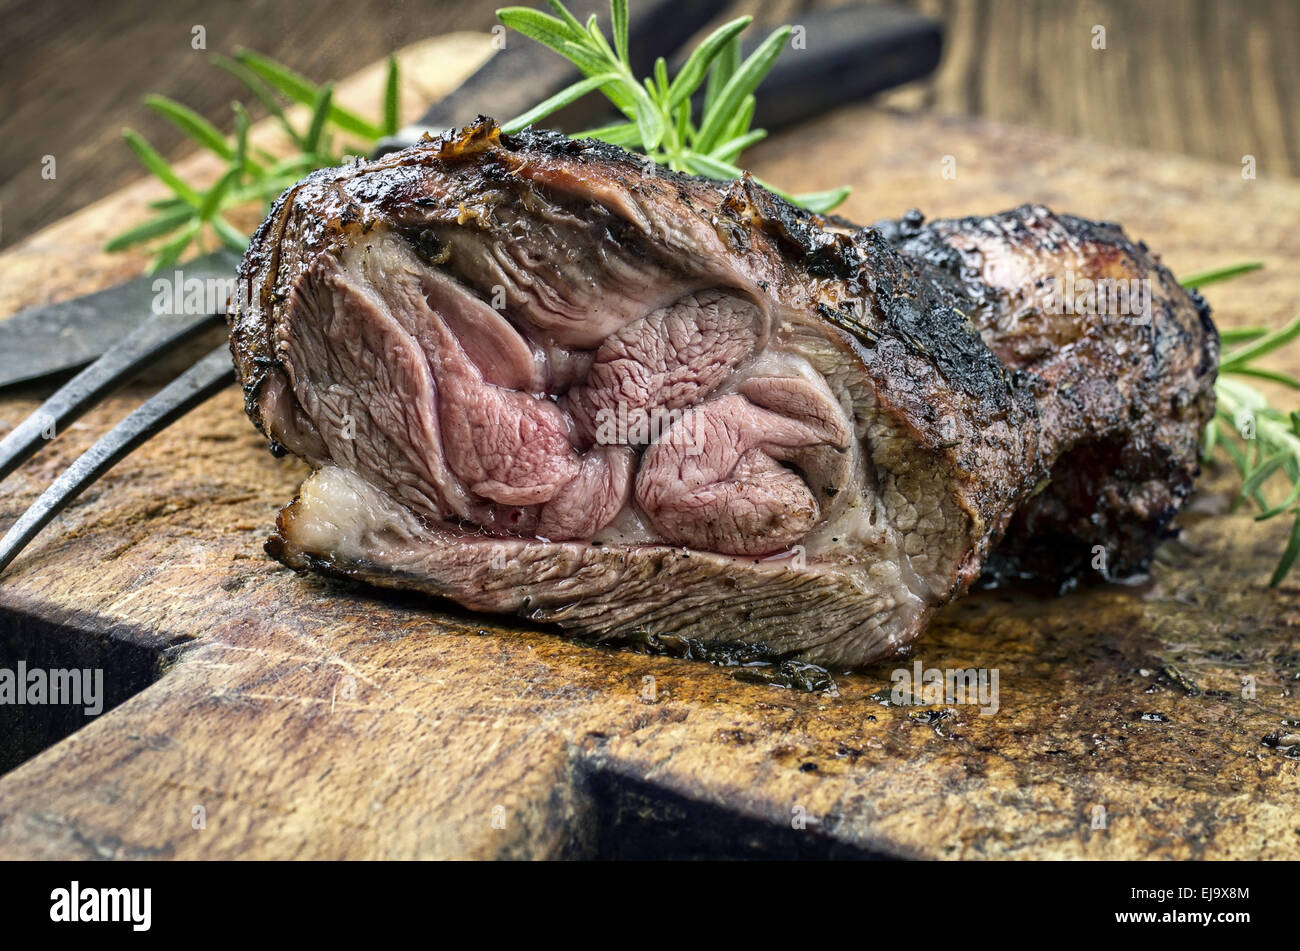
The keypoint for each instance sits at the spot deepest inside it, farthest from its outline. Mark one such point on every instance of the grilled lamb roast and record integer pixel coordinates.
(545, 377)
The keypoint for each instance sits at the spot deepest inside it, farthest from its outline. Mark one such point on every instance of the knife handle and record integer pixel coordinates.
(835, 57)
(848, 54)
(524, 73)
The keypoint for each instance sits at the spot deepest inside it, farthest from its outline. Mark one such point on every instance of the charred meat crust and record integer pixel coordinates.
(1124, 397)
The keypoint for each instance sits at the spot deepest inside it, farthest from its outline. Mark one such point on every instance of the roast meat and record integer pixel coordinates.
(546, 377)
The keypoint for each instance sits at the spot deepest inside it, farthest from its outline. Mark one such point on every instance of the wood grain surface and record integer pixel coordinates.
(288, 716)
(1210, 78)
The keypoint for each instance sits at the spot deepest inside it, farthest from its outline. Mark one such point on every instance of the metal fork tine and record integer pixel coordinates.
(155, 337)
(207, 377)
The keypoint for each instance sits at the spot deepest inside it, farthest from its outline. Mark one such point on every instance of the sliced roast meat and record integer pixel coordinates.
(533, 376)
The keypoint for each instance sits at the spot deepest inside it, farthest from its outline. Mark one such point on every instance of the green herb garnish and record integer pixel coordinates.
(657, 111)
(252, 176)
(1259, 440)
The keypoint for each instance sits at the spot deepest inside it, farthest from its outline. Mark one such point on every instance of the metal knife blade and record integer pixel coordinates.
(40, 341)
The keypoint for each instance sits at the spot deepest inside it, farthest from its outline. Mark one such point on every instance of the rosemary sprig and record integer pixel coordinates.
(658, 111)
(1259, 440)
(252, 176)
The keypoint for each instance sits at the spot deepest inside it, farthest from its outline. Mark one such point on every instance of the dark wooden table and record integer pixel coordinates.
(1209, 78)
(307, 719)
(302, 718)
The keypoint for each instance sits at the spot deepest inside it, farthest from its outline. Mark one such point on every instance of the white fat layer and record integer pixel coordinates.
(341, 513)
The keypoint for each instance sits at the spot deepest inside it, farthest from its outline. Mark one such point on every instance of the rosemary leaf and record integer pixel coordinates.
(1241, 334)
(1260, 474)
(1276, 376)
(229, 235)
(1289, 556)
(568, 20)
(822, 202)
(623, 134)
(598, 38)
(161, 224)
(171, 252)
(1285, 504)
(742, 84)
(661, 81)
(159, 166)
(1214, 275)
(728, 151)
(171, 201)
(263, 93)
(536, 25)
(320, 111)
(301, 90)
(744, 117)
(1264, 345)
(212, 199)
(701, 59)
(558, 101)
(618, 17)
(392, 85)
(191, 123)
(724, 67)
(240, 159)
(1211, 439)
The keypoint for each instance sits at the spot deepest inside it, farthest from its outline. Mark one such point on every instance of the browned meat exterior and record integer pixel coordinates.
(1122, 374)
(542, 377)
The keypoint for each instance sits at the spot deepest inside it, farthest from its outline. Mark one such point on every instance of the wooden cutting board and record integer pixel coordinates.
(268, 715)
